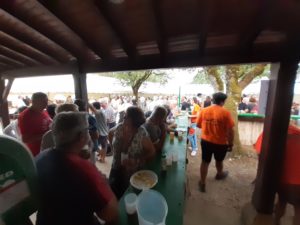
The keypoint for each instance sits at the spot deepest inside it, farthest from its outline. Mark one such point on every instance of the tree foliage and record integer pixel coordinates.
(135, 79)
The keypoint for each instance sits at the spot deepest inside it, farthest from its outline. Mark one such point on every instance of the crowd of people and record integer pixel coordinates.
(67, 138)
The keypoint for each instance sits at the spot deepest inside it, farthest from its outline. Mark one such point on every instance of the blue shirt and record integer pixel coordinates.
(93, 128)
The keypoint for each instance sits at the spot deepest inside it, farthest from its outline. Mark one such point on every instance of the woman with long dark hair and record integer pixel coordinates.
(132, 148)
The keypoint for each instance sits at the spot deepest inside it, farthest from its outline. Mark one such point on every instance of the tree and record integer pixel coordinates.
(232, 79)
(135, 79)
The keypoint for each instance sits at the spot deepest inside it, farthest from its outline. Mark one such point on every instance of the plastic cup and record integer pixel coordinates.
(180, 135)
(169, 159)
(172, 135)
(130, 203)
(175, 156)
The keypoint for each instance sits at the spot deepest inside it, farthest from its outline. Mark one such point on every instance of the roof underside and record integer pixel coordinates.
(68, 36)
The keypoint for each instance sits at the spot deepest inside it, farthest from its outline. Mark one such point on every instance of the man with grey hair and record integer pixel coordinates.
(34, 122)
(47, 140)
(72, 190)
(109, 113)
(102, 128)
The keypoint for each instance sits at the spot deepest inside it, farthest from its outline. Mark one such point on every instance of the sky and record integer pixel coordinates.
(96, 83)
(64, 83)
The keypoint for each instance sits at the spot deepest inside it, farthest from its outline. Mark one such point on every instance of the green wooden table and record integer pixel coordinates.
(252, 115)
(171, 186)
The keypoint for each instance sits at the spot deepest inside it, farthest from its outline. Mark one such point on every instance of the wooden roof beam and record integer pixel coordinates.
(10, 61)
(23, 32)
(86, 20)
(18, 56)
(4, 66)
(205, 17)
(184, 59)
(160, 31)
(18, 46)
(41, 71)
(262, 17)
(40, 18)
(129, 48)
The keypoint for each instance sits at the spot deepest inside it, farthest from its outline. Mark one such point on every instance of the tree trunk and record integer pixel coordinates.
(231, 105)
(135, 91)
(234, 93)
(215, 78)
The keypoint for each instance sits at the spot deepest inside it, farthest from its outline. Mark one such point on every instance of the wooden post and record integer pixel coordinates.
(280, 97)
(80, 86)
(4, 91)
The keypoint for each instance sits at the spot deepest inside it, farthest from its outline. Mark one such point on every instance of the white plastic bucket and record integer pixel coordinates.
(152, 208)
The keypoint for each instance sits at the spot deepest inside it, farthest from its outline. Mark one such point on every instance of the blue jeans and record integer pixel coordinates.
(193, 138)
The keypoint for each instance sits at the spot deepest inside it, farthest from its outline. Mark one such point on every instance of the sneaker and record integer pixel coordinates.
(194, 153)
(222, 176)
(202, 187)
(190, 148)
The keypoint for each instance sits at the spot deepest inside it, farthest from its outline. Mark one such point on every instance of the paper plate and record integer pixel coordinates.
(143, 179)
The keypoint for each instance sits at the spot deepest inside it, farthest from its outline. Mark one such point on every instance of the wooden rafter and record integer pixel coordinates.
(188, 59)
(160, 31)
(85, 19)
(41, 70)
(25, 33)
(18, 56)
(125, 42)
(10, 61)
(248, 36)
(42, 20)
(4, 67)
(205, 17)
(19, 46)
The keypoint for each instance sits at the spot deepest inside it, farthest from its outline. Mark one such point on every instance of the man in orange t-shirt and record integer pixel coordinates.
(289, 185)
(216, 137)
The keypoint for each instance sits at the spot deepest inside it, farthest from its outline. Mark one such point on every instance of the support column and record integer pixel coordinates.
(4, 91)
(80, 86)
(280, 97)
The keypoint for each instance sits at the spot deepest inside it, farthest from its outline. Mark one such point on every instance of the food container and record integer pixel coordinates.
(149, 215)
